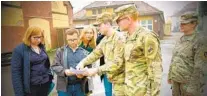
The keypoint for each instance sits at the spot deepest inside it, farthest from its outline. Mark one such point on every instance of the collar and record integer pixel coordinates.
(77, 48)
(134, 35)
(110, 38)
(188, 37)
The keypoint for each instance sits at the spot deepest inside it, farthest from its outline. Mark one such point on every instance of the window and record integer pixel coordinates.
(99, 11)
(147, 24)
(94, 12)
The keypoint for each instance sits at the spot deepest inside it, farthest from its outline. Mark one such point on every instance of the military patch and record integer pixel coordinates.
(150, 49)
(203, 55)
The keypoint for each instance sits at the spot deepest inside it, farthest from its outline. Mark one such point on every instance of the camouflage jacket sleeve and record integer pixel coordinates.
(116, 66)
(199, 69)
(94, 55)
(170, 68)
(169, 73)
(154, 62)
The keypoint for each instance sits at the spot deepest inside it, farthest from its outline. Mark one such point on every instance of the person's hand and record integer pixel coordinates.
(91, 72)
(79, 75)
(110, 77)
(80, 66)
(169, 81)
(68, 72)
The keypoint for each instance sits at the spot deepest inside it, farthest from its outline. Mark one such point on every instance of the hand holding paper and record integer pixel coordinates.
(80, 75)
(78, 72)
(80, 66)
(91, 72)
(68, 72)
(84, 72)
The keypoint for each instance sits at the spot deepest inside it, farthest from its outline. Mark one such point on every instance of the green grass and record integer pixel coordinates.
(51, 54)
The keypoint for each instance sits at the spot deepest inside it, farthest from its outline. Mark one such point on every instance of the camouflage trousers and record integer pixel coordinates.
(180, 89)
(118, 89)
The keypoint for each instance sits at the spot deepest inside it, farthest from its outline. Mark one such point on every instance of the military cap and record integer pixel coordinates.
(188, 17)
(106, 16)
(125, 10)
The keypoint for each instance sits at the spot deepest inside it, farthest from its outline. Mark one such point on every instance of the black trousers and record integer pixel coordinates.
(39, 90)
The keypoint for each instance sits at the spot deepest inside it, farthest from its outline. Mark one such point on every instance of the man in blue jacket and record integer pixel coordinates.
(68, 83)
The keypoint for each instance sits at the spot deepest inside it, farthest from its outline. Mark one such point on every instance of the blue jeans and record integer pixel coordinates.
(107, 86)
(72, 90)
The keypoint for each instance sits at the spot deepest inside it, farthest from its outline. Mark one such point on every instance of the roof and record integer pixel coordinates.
(142, 7)
(99, 4)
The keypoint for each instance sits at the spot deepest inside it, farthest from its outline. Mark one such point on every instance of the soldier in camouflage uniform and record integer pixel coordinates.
(189, 56)
(111, 46)
(143, 69)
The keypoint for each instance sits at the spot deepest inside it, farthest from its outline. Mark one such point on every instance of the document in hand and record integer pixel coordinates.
(78, 71)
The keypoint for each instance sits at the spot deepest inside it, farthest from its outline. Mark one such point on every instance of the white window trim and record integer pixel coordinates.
(147, 24)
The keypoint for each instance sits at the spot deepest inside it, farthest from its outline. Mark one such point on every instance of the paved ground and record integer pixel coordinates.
(167, 46)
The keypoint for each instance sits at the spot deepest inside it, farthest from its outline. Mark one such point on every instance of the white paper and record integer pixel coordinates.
(78, 71)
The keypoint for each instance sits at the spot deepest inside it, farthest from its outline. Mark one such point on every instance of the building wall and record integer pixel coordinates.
(37, 16)
(12, 26)
(79, 22)
(92, 21)
(59, 14)
(55, 12)
(18, 16)
(60, 20)
(162, 25)
(110, 10)
(11, 36)
(15, 3)
(62, 14)
(43, 24)
(147, 20)
(167, 27)
(157, 22)
(12, 16)
(89, 12)
(145, 17)
(58, 6)
(84, 22)
(158, 26)
(70, 13)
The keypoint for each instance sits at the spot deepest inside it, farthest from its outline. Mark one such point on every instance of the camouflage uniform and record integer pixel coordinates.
(143, 69)
(189, 56)
(112, 49)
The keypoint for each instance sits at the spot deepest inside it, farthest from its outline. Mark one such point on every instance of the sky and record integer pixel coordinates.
(168, 7)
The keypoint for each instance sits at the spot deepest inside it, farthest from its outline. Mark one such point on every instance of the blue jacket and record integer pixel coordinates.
(20, 65)
(60, 64)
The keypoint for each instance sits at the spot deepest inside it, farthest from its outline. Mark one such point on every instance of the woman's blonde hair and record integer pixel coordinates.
(92, 43)
(31, 31)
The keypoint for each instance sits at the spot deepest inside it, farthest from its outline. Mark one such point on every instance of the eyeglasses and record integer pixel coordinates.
(37, 37)
(72, 40)
(89, 32)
